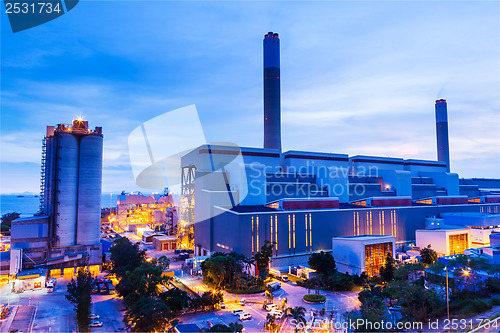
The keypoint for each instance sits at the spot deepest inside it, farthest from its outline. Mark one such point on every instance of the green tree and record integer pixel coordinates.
(7, 220)
(236, 327)
(388, 269)
(221, 269)
(126, 257)
(298, 315)
(141, 282)
(429, 256)
(322, 262)
(373, 308)
(262, 259)
(419, 304)
(80, 295)
(148, 315)
(175, 299)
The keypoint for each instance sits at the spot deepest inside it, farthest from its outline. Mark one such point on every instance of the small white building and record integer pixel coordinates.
(30, 279)
(164, 242)
(363, 253)
(448, 240)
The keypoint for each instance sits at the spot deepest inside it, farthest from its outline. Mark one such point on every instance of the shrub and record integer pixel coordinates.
(314, 298)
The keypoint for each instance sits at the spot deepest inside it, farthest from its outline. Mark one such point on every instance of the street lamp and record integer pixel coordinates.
(447, 296)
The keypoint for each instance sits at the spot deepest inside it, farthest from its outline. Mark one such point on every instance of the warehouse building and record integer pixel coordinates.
(363, 253)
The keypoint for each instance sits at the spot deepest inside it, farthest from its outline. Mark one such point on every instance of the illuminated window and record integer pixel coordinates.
(375, 255)
(383, 223)
(252, 237)
(272, 228)
(458, 243)
(357, 223)
(310, 232)
(425, 201)
(354, 220)
(306, 232)
(371, 224)
(395, 224)
(289, 233)
(276, 231)
(294, 231)
(257, 233)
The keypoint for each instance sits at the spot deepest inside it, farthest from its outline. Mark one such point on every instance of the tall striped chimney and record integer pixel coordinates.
(443, 146)
(272, 94)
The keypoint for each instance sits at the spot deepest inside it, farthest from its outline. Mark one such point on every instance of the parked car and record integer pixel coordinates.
(278, 314)
(284, 278)
(103, 289)
(270, 307)
(237, 312)
(273, 286)
(245, 316)
(243, 301)
(222, 305)
(94, 316)
(95, 323)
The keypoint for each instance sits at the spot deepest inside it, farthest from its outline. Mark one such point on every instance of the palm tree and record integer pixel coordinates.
(298, 313)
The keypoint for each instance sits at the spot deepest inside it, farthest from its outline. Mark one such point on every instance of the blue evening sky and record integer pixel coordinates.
(357, 78)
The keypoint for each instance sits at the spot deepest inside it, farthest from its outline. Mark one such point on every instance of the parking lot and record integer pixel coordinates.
(39, 311)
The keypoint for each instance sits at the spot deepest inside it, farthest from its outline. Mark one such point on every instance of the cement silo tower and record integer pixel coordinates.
(71, 183)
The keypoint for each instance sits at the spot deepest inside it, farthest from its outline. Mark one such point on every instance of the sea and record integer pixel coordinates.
(28, 204)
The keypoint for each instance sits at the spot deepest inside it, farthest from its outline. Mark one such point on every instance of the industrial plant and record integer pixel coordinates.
(237, 198)
(301, 201)
(65, 234)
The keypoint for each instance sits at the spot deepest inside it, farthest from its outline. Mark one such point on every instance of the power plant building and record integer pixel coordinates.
(300, 200)
(66, 232)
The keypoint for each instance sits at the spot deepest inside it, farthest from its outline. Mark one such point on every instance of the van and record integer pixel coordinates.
(237, 312)
(243, 301)
(270, 307)
(50, 287)
(273, 286)
(245, 316)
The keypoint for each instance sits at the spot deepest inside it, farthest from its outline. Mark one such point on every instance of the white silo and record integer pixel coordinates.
(65, 187)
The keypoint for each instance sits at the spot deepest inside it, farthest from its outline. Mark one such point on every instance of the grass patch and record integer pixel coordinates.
(314, 298)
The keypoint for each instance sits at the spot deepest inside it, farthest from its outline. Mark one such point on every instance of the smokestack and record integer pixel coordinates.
(272, 95)
(443, 146)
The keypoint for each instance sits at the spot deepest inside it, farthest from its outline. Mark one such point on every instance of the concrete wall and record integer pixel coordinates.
(234, 230)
